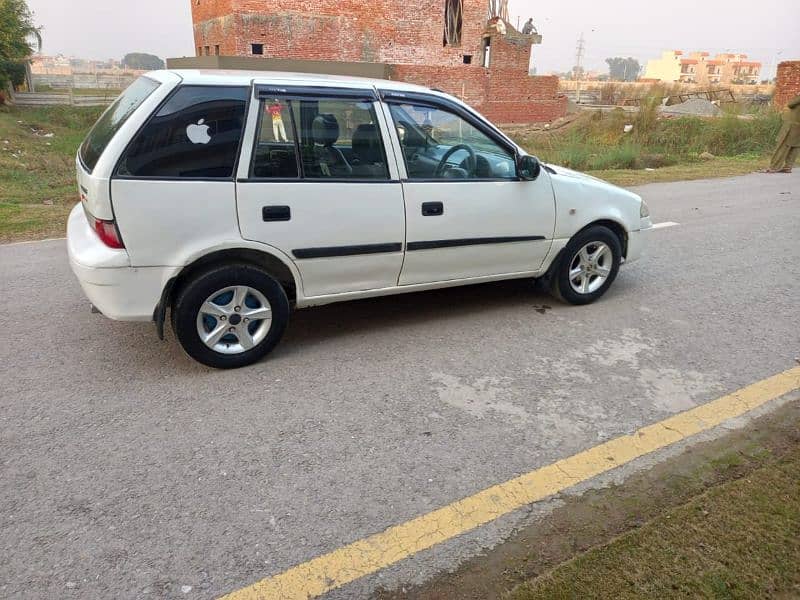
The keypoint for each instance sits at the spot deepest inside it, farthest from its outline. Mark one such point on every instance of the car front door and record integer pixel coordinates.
(468, 214)
(316, 182)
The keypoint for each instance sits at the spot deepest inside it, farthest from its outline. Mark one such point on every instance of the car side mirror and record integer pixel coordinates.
(528, 167)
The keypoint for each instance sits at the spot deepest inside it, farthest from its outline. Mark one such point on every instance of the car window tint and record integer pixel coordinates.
(339, 139)
(428, 135)
(195, 134)
(113, 118)
(275, 154)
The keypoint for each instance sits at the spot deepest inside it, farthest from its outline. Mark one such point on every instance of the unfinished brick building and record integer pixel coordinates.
(448, 44)
(787, 84)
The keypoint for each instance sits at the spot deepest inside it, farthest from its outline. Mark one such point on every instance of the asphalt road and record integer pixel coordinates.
(130, 471)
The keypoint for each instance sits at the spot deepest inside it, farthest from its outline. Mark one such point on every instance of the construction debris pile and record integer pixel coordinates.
(699, 107)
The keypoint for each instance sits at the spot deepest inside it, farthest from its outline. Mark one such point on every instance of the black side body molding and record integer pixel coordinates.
(330, 251)
(427, 245)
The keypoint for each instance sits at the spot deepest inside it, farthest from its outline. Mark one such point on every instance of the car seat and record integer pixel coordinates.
(368, 152)
(328, 158)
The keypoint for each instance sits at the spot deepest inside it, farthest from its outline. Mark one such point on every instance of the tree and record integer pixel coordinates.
(623, 69)
(141, 60)
(19, 38)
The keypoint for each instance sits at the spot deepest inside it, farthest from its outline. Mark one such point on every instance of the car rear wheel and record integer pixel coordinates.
(230, 316)
(588, 265)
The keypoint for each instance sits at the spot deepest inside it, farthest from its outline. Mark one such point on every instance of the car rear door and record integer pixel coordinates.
(327, 193)
(173, 189)
(468, 214)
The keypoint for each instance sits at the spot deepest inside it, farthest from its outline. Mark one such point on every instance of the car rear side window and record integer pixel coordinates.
(112, 119)
(333, 138)
(195, 134)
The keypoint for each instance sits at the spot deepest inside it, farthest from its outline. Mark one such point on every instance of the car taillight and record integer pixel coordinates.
(105, 230)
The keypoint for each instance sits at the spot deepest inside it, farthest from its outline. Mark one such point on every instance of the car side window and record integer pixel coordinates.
(195, 134)
(334, 138)
(439, 144)
(275, 154)
(341, 138)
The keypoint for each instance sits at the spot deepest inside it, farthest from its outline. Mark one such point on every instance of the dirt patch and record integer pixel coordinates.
(598, 516)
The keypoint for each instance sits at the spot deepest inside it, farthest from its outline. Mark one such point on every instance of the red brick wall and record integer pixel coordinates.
(404, 34)
(512, 51)
(346, 30)
(504, 96)
(787, 85)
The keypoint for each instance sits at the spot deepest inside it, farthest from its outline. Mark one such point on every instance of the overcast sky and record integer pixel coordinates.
(767, 30)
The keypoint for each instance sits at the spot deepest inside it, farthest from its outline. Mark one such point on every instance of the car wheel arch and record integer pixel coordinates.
(270, 263)
(615, 226)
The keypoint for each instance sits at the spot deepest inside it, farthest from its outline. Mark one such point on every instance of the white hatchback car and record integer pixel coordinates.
(231, 197)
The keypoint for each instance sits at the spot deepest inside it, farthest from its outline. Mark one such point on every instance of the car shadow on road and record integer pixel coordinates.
(326, 323)
(331, 321)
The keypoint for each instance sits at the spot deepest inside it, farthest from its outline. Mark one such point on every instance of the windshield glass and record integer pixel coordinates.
(112, 119)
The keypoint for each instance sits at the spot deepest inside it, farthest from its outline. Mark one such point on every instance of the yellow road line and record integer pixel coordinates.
(373, 553)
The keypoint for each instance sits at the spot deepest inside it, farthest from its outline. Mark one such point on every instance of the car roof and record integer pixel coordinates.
(247, 77)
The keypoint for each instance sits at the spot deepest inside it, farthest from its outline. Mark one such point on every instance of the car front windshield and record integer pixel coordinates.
(113, 118)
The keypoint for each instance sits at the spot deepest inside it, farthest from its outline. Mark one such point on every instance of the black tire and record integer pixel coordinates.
(193, 293)
(560, 283)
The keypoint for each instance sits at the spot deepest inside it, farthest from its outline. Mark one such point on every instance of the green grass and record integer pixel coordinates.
(106, 92)
(37, 173)
(718, 167)
(738, 540)
(597, 141)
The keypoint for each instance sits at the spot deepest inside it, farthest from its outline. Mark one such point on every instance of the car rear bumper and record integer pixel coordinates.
(116, 289)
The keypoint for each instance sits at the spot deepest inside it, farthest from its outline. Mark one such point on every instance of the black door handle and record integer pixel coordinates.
(276, 213)
(432, 209)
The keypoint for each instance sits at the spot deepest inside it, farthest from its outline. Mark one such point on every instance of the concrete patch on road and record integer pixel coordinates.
(673, 390)
(626, 359)
(611, 352)
(622, 351)
(478, 398)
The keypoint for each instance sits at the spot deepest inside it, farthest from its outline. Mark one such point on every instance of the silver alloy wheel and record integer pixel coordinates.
(590, 267)
(234, 319)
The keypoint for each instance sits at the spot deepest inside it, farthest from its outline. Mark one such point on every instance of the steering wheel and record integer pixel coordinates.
(472, 160)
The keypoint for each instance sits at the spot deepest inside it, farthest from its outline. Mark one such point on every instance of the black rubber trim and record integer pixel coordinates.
(305, 91)
(430, 244)
(330, 251)
(160, 312)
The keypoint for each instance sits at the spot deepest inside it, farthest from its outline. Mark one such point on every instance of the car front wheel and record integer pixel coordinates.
(230, 316)
(588, 265)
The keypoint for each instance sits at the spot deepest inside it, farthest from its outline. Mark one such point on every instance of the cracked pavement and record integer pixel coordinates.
(129, 471)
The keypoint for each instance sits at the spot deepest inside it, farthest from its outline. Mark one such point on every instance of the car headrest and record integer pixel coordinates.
(325, 129)
(367, 143)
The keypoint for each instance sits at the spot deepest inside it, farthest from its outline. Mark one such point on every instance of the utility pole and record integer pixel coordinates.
(579, 50)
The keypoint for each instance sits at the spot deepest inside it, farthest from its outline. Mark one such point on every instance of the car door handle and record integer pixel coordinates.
(276, 213)
(432, 209)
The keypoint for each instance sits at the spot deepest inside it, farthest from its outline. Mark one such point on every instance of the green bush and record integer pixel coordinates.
(598, 140)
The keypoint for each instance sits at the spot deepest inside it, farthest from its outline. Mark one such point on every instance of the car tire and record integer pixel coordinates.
(587, 266)
(240, 311)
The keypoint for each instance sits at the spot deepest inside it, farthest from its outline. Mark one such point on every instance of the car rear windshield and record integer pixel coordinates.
(112, 119)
